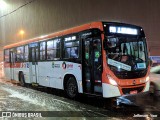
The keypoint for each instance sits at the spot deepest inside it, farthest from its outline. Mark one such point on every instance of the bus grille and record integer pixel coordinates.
(130, 75)
(127, 90)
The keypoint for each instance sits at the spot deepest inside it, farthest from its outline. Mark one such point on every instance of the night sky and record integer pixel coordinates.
(46, 16)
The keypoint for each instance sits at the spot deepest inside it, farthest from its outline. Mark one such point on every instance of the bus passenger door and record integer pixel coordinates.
(34, 64)
(12, 64)
(91, 66)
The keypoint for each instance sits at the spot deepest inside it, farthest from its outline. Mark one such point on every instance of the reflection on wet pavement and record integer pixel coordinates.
(16, 98)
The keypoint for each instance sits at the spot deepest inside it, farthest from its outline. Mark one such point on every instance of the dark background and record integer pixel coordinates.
(41, 17)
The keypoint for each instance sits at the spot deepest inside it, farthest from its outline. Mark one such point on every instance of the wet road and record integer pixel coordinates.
(23, 100)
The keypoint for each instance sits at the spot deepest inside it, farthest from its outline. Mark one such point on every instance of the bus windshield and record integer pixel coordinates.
(126, 54)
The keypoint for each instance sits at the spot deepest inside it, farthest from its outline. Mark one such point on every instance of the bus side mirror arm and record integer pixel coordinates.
(150, 61)
(105, 44)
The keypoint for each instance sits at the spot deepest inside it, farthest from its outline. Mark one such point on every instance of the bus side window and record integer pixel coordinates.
(20, 54)
(56, 48)
(67, 53)
(50, 50)
(74, 52)
(26, 53)
(6, 55)
(71, 47)
(42, 50)
(53, 49)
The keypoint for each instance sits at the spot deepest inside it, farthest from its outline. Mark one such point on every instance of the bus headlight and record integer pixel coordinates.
(111, 80)
(147, 78)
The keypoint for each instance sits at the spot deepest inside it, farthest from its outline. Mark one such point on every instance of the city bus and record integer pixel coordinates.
(107, 59)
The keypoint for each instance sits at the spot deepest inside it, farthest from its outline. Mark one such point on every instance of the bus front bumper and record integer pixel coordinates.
(116, 91)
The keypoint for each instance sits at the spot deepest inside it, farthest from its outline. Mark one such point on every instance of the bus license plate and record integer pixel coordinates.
(133, 92)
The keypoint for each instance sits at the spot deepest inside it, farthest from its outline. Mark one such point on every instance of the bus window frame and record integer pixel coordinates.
(52, 39)
(63, 47)
(43, 41)
(22, 54)
(25, 52)
(8, 56)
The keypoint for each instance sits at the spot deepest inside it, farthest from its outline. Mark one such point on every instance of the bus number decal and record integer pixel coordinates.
(24, 65)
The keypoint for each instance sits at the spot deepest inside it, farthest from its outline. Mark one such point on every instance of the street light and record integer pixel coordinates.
(21, 33)
(3, 5)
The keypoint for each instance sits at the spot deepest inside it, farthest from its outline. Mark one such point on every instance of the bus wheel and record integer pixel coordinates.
(71, 88)
(21, 79)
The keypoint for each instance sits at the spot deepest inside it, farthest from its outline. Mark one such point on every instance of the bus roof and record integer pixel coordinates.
(121, 24)
(58, 34)
(87, 26)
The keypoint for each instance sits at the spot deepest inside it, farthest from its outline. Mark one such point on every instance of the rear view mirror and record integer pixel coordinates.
(150, 62)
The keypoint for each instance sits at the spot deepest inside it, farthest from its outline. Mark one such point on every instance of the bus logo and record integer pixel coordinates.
(68, 66)
(52, 64)
(64, 65)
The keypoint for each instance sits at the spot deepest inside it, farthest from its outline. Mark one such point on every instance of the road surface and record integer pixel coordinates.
(47, 104)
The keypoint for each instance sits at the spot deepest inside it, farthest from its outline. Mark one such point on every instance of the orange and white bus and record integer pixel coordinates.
(107, 59)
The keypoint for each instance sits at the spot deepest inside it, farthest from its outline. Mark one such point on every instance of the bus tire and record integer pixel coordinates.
(71, 88)
(21, 79)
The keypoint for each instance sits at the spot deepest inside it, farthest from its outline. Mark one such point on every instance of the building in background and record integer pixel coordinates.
(155, 60)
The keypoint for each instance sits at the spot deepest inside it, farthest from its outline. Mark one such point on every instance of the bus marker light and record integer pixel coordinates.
(147, 79)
